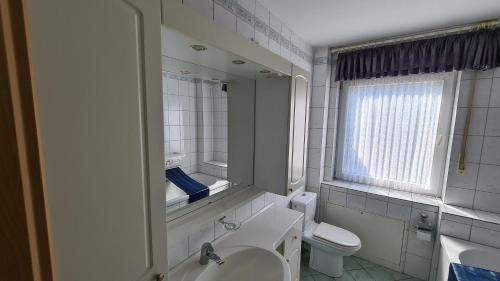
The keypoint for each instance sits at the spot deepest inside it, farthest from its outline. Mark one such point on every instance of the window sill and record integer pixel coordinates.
(384, 194)
(216, 163)
(467, 216)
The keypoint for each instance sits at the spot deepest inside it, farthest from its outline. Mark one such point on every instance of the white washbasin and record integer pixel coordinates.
(241, 263)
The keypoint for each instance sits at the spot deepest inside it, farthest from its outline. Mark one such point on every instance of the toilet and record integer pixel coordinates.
(329, 243)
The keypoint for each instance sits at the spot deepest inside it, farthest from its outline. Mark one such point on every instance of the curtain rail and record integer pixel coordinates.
(420, 35)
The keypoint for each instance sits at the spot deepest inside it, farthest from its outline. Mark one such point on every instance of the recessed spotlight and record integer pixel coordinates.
(238, 62)
(215, 79)
(185, 72)
(198, 48)
(265, 71)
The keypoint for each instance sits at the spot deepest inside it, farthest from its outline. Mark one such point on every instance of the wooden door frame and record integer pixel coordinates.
(24, 236)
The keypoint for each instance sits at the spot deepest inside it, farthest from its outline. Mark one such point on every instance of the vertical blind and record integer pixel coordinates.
(390, 127)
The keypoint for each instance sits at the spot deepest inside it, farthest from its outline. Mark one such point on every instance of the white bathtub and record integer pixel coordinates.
(454, 250)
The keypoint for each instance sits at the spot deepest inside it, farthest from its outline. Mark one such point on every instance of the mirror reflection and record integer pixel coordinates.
(195, 127)
(209, 101)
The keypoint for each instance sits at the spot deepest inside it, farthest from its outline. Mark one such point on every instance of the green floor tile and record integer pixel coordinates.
(306, 270)
(381, 273)
(355, 269)
(345, 277)
(360, 275)
(365, 263)
(322, 277)
(350, 263)
(307, 278)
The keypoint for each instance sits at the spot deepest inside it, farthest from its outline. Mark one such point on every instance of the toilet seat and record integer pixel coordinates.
(332, 234)
(338, 240)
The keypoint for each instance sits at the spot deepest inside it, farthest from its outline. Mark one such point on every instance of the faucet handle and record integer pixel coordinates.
(207, 248)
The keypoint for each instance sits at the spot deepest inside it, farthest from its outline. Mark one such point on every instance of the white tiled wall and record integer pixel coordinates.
(479, 187)
(476, 230)
(254, 21)
(180, 119)
(220, 124)
(212, 122)
(417, 253)
(182, 247)
(195, 123)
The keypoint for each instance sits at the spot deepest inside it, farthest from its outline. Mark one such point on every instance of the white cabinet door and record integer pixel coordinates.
(293, 262)
(97, 78)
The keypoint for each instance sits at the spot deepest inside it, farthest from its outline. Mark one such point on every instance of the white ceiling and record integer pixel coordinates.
(341, 22)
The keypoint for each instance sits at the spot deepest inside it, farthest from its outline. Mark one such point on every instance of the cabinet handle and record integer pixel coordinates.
(159, 277)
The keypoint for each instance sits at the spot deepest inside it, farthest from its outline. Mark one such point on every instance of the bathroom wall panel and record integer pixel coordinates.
(381, 237)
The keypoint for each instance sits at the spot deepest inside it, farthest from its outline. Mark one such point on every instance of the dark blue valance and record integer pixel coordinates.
(477, 50)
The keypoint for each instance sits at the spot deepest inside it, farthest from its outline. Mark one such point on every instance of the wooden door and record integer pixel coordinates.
(96, 68)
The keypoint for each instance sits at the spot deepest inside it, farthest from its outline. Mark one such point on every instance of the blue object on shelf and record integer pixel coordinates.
(194, 189)
(460, 272)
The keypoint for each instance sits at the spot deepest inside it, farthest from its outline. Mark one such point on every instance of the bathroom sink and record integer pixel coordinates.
(242, 263)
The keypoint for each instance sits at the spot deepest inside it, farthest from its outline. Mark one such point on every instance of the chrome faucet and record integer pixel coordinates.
(207, 253)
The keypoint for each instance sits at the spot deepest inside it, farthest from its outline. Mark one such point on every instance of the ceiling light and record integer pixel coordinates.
(185, 72)
(198, 48)
(215, 79)
(238, 62)
(265, 71)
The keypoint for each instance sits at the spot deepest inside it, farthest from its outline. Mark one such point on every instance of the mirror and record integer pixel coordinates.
(208, 105)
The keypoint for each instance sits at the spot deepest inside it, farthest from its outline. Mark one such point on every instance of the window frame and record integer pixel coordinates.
(443, 134)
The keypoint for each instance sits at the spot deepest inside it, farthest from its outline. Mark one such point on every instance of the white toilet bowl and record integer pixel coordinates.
(329, 244)
(328, 251)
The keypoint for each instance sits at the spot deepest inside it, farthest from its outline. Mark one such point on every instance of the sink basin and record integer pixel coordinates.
(241, 263)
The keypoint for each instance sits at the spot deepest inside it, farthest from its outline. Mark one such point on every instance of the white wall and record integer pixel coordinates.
(479, 188)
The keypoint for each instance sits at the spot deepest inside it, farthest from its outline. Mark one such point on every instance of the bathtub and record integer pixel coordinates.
(454, 250)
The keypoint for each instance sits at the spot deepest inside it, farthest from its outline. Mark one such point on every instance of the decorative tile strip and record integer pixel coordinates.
(239, 11)
(226, 4)
(320, 60)
(274, 35)
(182, 78)
(285, 42)
(243, 13)
(261, 26)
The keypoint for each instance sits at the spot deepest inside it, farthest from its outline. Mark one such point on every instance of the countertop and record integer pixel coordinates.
(265, 230)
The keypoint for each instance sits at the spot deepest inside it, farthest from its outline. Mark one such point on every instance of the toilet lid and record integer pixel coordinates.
(336, 235)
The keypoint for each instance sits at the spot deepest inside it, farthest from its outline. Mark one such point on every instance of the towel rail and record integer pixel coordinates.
(463, 147)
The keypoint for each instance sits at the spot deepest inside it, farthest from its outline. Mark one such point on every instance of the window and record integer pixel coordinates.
(394, 131)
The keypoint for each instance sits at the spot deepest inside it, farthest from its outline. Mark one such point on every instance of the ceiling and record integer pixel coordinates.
(341, 22)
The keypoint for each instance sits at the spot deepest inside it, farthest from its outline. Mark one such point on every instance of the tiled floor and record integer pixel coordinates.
(355, 269)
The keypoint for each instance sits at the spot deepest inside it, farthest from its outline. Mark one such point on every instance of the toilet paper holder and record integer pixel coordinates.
(424, 228)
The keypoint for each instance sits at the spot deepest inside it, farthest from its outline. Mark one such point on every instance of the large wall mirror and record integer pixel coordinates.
(209, 107)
